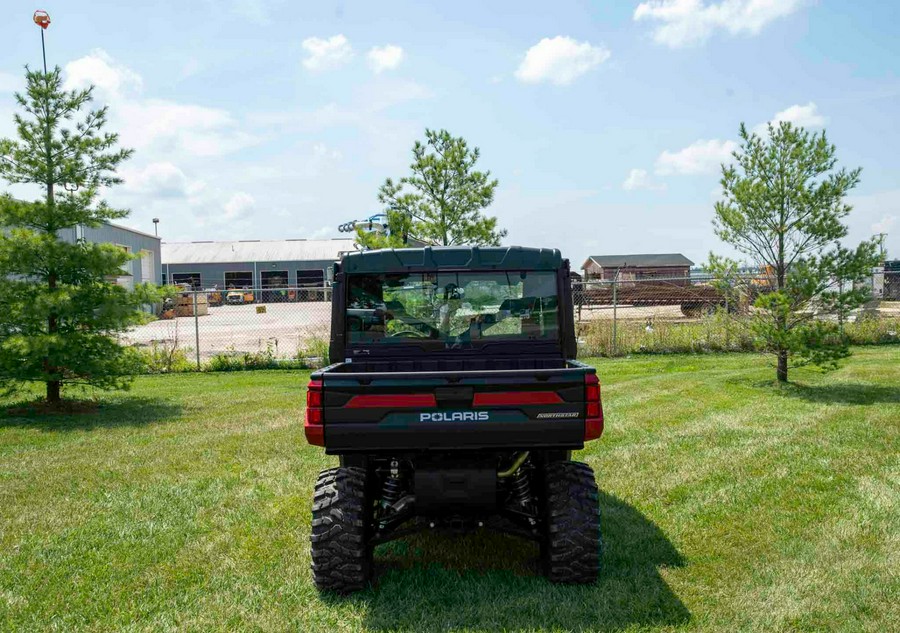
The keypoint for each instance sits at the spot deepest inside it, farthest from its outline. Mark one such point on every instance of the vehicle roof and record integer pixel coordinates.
(452, 257)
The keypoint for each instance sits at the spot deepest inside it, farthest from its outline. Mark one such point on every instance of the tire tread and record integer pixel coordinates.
(570, 550)
(341, 554)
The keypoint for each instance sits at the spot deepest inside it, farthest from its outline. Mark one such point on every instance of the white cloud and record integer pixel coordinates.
(322, 152)
(161, 179)
(155, 124)
(110, 79)
(176, 142)
(383, 58)
(326, 54)
(306, 155)
(806, 116)
(169, 126)
(238, 207)
(560, 60)
(681, 23)
(701, 157)
(884, 224)
(640, 179)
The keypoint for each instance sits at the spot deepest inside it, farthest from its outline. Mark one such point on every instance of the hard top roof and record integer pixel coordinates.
(391, 260)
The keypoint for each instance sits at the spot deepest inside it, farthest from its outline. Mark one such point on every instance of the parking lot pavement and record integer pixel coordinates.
(286, 327)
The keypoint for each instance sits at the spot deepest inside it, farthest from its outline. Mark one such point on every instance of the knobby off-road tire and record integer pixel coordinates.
(571, 544)
(341, 519)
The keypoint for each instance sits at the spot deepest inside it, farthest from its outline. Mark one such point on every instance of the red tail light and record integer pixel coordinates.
(593, 423)
(513, 398)
(315, 432)
(392, 401)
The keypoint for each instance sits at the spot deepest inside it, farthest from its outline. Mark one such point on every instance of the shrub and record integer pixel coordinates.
(241, 361)
(719, 332)
(244, 361)
(313, 352)
(873, 330)
(165, 358)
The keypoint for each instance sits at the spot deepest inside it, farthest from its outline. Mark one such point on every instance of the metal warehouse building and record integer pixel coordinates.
(252, 263)
(146, 268)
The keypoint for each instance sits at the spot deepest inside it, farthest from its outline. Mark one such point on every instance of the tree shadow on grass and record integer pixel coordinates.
(122, 412)
(489, 581)
(842, 393)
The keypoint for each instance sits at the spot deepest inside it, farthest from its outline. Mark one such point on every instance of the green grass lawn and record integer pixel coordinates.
(728, 504)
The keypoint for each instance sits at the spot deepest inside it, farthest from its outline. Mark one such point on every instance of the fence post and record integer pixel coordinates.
(727, 317)
(579, 295)
(196, 331)
(615, 316)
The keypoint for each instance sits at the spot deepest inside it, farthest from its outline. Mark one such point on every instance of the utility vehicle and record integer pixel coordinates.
(456, 405)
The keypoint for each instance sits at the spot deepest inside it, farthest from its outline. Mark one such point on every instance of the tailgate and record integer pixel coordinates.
(514, 409)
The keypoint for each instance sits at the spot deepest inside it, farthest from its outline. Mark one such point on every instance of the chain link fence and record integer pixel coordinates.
(225, 329)
(271, 326)
(706, 314)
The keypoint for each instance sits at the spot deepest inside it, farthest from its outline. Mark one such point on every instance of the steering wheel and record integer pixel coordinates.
(414, 333)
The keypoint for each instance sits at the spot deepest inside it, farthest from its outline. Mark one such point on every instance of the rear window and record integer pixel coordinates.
(452, 307)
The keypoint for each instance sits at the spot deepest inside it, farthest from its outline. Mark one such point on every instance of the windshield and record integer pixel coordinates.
(452, 307)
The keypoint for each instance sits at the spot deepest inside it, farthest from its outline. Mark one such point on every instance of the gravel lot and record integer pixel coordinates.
(284, 326)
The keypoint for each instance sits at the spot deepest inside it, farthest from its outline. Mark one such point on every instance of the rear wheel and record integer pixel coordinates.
(571, 543)
(342, 515)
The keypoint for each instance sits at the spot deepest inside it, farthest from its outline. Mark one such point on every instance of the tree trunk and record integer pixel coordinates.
(782, 371)
(52, 328)
(52, 323)
(53, 391)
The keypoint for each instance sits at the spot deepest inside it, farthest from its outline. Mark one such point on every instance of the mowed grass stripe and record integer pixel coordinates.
(729, 504)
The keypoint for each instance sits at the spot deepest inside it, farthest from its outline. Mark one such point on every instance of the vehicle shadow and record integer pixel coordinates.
(121, 412)
(488, 581)
(842, 393)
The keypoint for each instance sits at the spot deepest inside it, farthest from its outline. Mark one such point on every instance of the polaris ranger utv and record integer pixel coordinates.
(457, 404)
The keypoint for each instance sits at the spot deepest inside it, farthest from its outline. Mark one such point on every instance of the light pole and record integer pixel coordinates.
(42, 19)
(155, 225)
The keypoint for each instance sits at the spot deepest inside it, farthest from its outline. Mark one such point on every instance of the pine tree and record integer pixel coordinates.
(784, 202)
(61, 309)
(442, 201)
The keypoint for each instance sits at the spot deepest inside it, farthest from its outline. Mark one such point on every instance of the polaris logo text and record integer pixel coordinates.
(455, 416)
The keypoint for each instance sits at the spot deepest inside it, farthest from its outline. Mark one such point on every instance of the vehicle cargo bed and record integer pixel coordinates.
(528, 404)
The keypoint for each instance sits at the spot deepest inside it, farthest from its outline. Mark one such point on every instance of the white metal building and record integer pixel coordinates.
(252, 263)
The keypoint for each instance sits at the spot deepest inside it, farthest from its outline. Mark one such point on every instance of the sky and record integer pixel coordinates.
(605, 122)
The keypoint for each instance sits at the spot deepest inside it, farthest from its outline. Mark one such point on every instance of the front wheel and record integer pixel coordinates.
(571, 543)
(341, 519)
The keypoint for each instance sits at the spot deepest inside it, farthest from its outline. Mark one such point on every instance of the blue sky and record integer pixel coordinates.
(605, 122)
